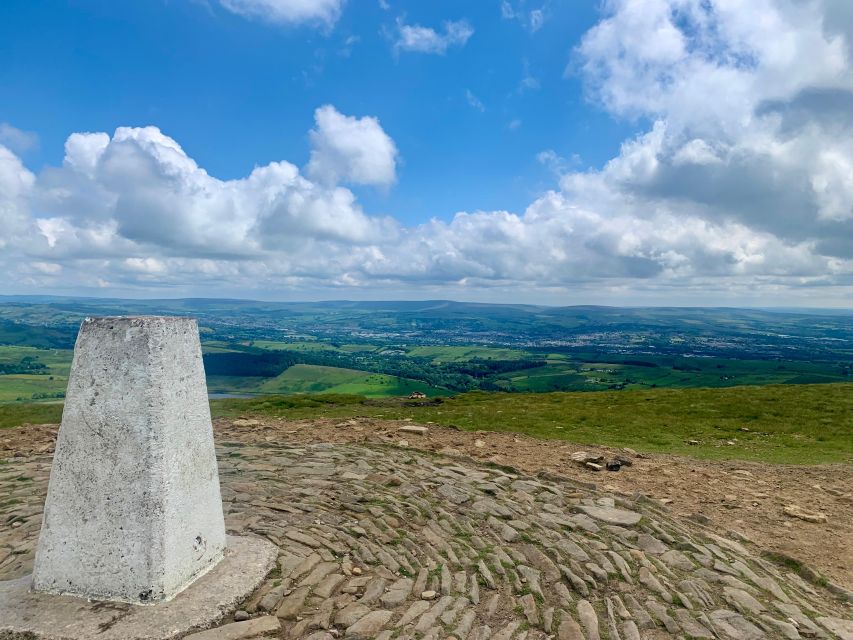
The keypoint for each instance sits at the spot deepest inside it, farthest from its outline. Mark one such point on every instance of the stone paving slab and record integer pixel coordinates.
(394, 544)
(28, 615)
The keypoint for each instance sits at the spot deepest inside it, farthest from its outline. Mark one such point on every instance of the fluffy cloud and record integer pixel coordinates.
(427, 40)
(137, 195)
(740, 185)
(16, 183)
(288, 12)
(355, 150)
(749, 110)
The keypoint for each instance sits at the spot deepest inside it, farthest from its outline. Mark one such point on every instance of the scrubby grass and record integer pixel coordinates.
(802, 424)
(12, 415)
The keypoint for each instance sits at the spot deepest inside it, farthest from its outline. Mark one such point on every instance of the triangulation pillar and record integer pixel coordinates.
(133, 509)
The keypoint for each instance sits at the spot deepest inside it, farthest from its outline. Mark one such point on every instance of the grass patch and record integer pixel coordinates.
(801, 424)
(12, 415)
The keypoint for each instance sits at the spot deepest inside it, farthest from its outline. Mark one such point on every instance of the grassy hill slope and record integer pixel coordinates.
(307, 378)
(802, 424)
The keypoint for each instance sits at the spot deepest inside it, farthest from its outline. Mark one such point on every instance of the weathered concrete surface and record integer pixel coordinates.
(28, 615)
(133, 511)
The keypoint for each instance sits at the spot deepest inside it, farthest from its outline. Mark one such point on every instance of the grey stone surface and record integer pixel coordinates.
(133, 510)
(239, 630)
(28, 615)
(388, 525)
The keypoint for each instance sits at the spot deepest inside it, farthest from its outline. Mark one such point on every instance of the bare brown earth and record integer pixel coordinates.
(744, 497)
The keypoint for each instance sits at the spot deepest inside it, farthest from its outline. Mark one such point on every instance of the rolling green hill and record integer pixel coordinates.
(306, 378)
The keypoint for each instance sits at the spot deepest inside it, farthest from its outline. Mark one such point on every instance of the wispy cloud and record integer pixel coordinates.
(530, 19)
(288, 12)
(16, 139)
(416, 38)
(528, 81)
(474, 101)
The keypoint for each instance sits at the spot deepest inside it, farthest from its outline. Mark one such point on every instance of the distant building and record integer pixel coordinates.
(417, 395)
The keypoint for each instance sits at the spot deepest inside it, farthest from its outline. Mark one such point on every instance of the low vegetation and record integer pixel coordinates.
(13, 415)
(800, 424)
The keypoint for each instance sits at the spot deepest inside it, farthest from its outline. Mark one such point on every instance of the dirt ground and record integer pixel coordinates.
(746, 497)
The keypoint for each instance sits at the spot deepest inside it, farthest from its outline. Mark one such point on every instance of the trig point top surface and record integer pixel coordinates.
(133, 511)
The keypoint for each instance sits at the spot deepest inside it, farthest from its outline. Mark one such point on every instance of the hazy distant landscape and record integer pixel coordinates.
(756, 384)
(382, 349)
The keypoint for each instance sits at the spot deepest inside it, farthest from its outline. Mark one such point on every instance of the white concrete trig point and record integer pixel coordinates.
(133, 511)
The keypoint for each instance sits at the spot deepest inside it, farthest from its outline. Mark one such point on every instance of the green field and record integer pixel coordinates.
(463, 354)
(800, 424)
(48, 384)
(311, 345)
(584, 373)
(306, 378)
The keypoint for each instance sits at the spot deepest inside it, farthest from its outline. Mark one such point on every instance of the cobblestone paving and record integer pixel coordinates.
(387, 543)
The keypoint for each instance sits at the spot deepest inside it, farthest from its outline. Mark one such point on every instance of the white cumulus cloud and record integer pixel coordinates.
(739, 185)
(349, 149)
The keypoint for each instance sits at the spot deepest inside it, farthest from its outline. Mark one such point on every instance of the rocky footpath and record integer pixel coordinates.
(384, 542)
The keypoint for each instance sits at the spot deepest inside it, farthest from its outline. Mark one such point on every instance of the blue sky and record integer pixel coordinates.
(619, 152)
(193, 68)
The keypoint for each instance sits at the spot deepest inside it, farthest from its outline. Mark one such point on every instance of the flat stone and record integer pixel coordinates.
(589, 619)
(416, 610)
(735, 625)
(584, 456)
(677, 560)
(292, 604)
(369, 626)
(808, 516)
(454, 494)
(629, 629)
(611, 515)
(650, 544)
(351, 614)
(43, 616)
(842, 628)
(742, 601)
(415, 429)
(239, 630)
(569, 629)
